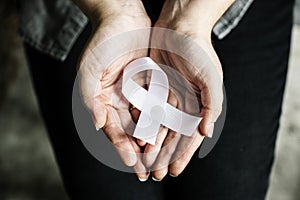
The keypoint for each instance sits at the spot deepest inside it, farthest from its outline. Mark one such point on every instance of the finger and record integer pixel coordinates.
(184, 152)
(135, 114)
(125, 118)
(210, 83)
(98, 113)
(211, 100)
(90, 90)
(160, 168)
(129, 119)
(140, 169)
(151, 151)
(141, 143)
(119, 138)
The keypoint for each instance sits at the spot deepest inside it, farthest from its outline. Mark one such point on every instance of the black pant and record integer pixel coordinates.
(254, 58)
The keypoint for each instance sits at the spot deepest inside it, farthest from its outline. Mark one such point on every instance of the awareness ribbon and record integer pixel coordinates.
(152, 103)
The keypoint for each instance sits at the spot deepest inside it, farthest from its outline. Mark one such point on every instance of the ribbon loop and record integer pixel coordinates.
(155, 110)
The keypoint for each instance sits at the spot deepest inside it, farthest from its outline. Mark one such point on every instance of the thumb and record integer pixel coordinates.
(99, 114)
(90, 90)
(211, 87)
(211, 99)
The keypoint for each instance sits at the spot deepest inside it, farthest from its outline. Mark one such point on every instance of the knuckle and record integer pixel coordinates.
(120, 142)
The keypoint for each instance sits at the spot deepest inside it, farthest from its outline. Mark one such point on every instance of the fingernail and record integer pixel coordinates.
(172, 175)
(210, 130)
(97, 128)
(143, 179)
(157, 180)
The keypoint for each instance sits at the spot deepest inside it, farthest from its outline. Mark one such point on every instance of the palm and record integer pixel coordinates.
(194, 59)
(114, 44)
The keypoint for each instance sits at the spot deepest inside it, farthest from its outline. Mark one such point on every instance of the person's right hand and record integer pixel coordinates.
(181, 39)
(108, 51)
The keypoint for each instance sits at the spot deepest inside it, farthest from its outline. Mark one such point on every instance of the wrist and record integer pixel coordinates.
(100, 10)
(192, 17)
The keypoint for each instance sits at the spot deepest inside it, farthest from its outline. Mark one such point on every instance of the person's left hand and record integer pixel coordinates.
(202, 69)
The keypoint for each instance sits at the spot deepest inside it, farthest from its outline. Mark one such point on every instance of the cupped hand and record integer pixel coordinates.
(184, 44)
(114, 43)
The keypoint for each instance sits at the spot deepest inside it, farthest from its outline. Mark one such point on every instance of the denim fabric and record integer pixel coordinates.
(231, 18)
(52, 27)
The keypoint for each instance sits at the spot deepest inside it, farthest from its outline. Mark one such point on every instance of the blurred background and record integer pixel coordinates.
(27, 165)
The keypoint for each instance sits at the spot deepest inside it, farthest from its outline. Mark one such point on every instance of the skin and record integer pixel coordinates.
(193, 18)
(183, 16)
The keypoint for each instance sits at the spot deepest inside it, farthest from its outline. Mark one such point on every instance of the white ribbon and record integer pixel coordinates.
(155, 110)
